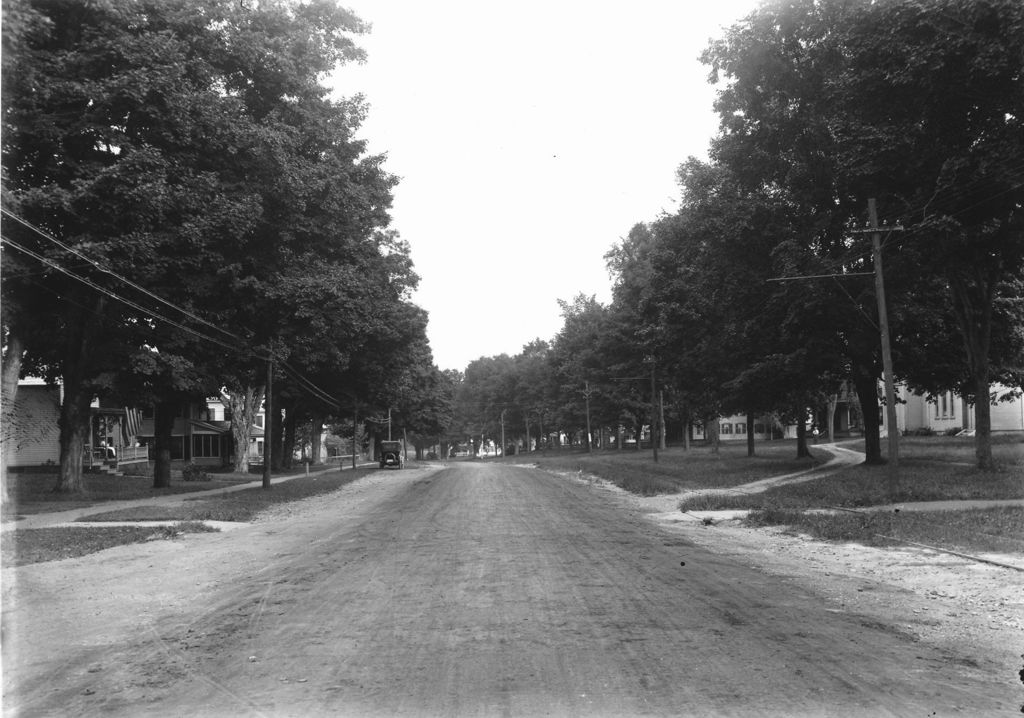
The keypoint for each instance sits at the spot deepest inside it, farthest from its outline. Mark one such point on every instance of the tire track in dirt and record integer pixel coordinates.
(495, 590)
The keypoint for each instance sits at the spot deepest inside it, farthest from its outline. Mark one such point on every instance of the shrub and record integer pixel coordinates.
(193, 472)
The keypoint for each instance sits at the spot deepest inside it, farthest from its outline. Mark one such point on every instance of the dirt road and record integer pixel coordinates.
(472, 590)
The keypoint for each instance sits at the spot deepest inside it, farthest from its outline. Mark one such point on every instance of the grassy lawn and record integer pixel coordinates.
(931, 469)
(1008, 449)
(32, 493)
(20, 548)
(678, 469)
(994, 530)
(26, 546)
(242, 505)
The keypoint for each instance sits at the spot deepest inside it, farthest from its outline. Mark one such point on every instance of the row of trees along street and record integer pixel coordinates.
(184, 203)
(824, 105)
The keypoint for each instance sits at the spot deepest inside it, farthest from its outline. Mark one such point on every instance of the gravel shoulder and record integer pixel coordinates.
(971, 609)
(429, 592)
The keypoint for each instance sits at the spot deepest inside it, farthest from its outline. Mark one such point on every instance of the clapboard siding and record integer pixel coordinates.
(35, 438)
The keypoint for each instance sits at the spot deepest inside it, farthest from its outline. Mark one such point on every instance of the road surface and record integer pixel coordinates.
(471, 590)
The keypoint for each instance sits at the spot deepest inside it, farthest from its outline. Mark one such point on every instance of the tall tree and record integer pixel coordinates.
(189, 145)
(829, 103)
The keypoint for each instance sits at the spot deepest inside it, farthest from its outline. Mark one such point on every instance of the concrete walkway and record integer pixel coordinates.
(940, 505)
(74, 516)
(841, 458)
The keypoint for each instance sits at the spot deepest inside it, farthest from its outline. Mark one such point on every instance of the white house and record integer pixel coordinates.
(949, 412)
(31, 437)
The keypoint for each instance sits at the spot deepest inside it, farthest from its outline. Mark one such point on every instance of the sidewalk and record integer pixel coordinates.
(58, 518)
(841, 457)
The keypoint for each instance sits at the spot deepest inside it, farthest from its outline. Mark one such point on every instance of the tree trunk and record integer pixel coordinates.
(750, 433)
(661, 420)
(973, 298)
(74, 427)
(316, 430)
(372, 453)
(983, 424)
(802, 452)
(163, 432)
(74, 410)
(244, 406)
(13, 353)
(687, 427)
(711, 430)
(290, 426)
(867, 394)
(355, 434)
(276, 435)
(830, 417)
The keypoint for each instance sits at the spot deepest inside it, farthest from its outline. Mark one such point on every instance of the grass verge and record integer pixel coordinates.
(864, 485)
(25, 546)
(20, 548)
(33, 493)
(679, 469)
(994, 530)
(244, 505)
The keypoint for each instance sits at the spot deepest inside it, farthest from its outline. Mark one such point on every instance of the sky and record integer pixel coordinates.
(529, 138)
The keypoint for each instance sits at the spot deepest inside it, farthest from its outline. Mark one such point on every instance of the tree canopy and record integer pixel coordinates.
(824, 105)
(184, 201)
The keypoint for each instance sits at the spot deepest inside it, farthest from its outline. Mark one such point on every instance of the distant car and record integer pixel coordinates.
(391, 455)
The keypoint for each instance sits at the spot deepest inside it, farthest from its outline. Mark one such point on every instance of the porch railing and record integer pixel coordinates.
(104, 455)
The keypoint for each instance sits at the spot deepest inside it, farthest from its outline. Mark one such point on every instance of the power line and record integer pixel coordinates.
(113, 295)
(117, 276)
(304, 383)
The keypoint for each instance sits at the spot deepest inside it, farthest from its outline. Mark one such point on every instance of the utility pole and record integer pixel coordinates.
(883, 325)
(389, 423)
(586, 396)
(502, 432)
(268, 422)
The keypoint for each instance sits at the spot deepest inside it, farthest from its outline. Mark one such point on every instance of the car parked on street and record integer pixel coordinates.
(391, 455)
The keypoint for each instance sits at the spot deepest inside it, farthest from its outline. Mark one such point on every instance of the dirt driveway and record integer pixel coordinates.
(473, 590)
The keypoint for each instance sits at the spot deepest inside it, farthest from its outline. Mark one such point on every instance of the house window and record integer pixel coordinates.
(759, 429)
(258, 421)
(945, 406)
(177, 446)
(725, 428)
(205, 446)
(741, 428)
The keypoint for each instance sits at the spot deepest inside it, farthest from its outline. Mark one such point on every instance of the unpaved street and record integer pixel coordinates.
(472, 590)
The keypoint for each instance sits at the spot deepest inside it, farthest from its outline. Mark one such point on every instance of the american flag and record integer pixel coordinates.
(130, 426)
